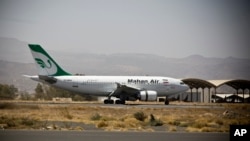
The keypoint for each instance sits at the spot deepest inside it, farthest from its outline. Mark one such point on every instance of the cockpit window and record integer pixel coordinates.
(182, 83)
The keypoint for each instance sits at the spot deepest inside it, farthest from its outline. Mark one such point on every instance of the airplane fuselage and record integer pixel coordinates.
(104, 85)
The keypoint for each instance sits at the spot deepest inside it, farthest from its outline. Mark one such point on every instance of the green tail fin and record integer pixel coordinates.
(45, 64)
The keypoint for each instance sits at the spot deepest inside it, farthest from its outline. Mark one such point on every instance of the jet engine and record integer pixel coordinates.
(147, 95)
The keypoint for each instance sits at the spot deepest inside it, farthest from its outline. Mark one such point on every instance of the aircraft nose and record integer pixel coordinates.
(185, 87)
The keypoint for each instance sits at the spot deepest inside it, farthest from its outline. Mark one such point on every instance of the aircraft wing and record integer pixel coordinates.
(124, 89)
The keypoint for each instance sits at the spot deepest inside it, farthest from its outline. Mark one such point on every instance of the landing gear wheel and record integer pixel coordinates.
(108, 101)
(111, 101)
(166, 102)
(120, 102)
(123, 102)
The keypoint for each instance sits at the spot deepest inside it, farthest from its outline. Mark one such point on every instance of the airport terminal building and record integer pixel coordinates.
(235, 90)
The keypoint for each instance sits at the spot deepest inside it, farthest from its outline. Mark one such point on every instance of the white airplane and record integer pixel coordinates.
(125, 88)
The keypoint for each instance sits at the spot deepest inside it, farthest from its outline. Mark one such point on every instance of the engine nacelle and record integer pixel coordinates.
(148, 95)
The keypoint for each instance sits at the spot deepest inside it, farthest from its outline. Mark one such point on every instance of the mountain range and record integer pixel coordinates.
(16, 60)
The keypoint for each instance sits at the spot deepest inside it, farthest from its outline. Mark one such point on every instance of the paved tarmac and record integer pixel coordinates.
(147, 105)
(34, 135)
(156, 106)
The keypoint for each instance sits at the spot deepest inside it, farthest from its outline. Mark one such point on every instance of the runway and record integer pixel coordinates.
(129, 105)
(17, 135)
(156, 106)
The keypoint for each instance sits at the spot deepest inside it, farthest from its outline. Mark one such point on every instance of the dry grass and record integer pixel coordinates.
(32, 116)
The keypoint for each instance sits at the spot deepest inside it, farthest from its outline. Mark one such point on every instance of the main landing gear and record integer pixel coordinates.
(120, 102)
(110, 101)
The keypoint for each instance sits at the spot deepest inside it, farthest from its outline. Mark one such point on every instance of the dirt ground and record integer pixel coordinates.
(37, 116)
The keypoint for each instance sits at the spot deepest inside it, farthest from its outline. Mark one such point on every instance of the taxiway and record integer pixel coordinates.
(17, 135)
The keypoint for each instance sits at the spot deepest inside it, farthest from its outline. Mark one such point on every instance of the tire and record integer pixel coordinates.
(111, 101)
(123, 102)
(166, 102)
(118, 102)
(108, 101)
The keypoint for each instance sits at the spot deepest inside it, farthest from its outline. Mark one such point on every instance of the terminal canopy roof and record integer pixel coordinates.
(200, 83)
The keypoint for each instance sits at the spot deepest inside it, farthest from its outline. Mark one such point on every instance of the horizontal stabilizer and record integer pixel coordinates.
(48, 79)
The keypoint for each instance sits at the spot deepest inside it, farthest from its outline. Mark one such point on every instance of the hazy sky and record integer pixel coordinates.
(170, 28)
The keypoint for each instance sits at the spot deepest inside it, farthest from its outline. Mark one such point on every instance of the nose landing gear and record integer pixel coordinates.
(166, 101)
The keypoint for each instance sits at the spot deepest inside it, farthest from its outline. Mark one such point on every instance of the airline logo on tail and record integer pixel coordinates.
(46, 65)
(42, 64)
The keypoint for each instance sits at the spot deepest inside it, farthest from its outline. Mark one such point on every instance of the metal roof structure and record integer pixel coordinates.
(200, 83)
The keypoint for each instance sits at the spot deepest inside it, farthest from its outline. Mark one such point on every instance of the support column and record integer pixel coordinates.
(191, 94)
(209, 96)
(203, 95)
(215, 94)
(197, 99)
